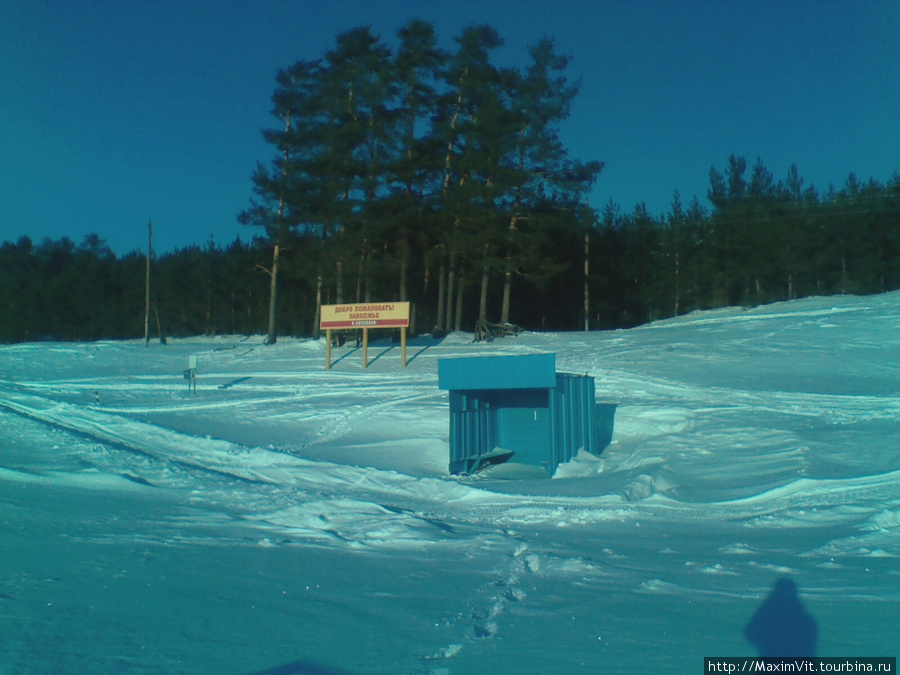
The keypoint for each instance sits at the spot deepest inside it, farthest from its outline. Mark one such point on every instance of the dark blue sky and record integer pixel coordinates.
(113, 113)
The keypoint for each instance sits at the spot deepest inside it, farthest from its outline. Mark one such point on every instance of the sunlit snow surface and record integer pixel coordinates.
(289, 518)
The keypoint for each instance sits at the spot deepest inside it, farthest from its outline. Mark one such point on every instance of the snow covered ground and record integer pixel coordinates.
(288, 519)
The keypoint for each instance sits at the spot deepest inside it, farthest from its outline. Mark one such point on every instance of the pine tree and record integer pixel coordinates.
(356, 148)
(469, 77)
(279, 206)
(539, 167)
(417, 66)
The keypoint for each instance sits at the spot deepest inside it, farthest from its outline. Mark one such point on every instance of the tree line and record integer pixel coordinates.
(59, 290)
(408, 172)
(759, 241)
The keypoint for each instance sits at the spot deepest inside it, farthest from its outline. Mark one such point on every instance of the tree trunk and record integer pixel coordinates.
(677, 283)
(507, 275)
(367, 278)
(481, 325)
(843, 270)
(209, 322)
(316, 331)
(273, 293)
(450, 281)
(233, 313)
(457, 325)
(453, 122)
(442, 275)
(587, 280)
(339, 282)
(404, 269)
(481, 328)
(482, 300)
(507, 288)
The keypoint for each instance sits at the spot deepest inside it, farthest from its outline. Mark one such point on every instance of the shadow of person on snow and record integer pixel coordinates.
(300, 668)
(781, 626)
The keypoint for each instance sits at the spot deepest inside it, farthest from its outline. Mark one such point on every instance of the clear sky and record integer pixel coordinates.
(116, 112)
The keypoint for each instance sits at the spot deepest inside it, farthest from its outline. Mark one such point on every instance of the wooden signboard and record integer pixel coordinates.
(365, 316)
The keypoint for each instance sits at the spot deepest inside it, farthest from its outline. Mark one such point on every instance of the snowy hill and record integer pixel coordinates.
(286, 516)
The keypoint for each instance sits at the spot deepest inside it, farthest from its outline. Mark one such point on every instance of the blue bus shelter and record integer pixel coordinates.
(518, 409)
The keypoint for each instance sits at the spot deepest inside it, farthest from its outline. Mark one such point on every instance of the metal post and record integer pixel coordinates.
(147, 285)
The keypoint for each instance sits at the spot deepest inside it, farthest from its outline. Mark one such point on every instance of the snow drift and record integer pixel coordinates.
(289, 517)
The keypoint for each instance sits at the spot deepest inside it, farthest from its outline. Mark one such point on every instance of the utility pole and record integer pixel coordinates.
(587, 280)
(147, 286)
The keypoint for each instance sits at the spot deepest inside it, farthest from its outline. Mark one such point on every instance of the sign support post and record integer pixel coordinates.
(365, 347)
(327, 349)
(403, 347)
(365, 316)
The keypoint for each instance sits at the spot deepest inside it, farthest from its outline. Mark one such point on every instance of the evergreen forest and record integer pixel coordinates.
(412, 173)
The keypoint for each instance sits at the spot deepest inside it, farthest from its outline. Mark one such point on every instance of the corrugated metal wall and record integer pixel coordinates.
(574, 417)
(472, 431)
